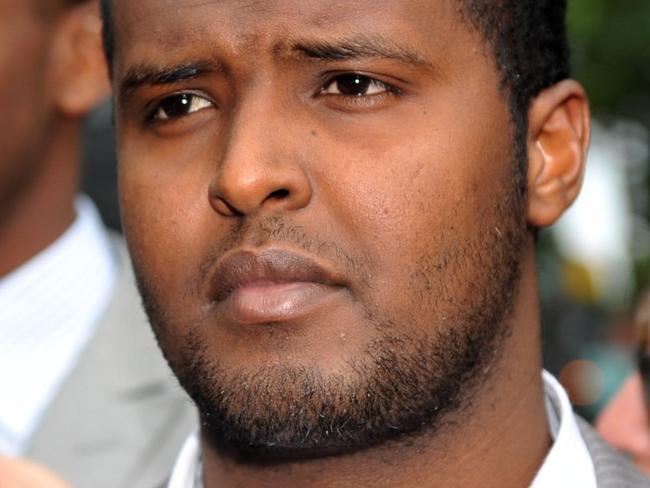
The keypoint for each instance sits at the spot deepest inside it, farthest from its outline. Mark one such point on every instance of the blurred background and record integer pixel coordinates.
(595, 263)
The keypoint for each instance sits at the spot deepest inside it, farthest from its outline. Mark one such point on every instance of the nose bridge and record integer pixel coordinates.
(260, 167)
(250, 141)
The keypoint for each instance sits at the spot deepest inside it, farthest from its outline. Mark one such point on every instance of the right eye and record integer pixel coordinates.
(180, 105)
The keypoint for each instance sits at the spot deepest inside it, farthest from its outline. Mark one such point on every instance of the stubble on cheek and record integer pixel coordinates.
(424, 361)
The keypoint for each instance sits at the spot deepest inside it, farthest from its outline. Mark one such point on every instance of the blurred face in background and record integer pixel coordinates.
(52, 73)
(25, 36)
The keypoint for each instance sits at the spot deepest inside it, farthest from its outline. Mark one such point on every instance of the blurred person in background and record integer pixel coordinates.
(625, 421)
(595, 262)
(84, 390)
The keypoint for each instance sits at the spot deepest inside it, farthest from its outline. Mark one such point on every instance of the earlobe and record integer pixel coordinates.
(559, 133)
(77, 62)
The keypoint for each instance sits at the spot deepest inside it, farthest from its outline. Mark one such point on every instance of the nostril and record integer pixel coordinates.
(278, 195)
(224, 208)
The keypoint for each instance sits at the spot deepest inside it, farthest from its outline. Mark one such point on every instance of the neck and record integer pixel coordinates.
(43, 208)
(500, 440)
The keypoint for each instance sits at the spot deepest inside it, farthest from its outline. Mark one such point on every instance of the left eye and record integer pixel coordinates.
(181, 105)
(355, 85)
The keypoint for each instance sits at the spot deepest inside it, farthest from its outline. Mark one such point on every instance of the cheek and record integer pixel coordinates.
(165, 211)
(414, 194)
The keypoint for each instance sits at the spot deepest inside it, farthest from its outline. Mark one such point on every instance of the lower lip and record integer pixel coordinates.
(276, 302)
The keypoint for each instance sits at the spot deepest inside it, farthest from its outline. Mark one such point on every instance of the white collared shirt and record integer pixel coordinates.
(567, 465)
(49, 309)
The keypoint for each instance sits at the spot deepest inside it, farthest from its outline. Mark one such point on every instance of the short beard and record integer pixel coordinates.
(404, 385)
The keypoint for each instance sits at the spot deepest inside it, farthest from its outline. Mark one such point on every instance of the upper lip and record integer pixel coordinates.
(277, 266)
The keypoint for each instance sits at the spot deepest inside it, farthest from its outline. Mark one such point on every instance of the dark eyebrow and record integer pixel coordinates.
(359, 47)
(152, 75)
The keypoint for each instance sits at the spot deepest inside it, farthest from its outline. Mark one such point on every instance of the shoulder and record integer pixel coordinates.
(613, 470)
(121, 417)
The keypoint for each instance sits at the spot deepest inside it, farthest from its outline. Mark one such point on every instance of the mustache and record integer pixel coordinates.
(278, 229)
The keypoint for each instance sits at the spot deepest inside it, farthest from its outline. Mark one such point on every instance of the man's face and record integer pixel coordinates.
(24, 38)
(320, 201)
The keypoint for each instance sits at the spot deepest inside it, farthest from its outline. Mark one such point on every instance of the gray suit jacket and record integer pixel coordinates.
(120, 418)
(613, 470)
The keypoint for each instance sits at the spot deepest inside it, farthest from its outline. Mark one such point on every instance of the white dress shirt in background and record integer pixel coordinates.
(49, 309)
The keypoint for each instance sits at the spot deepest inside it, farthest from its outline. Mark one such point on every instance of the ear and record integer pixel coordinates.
(78, 69)
(558, 140)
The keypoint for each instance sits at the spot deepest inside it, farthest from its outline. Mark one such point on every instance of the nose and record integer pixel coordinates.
(261, 168)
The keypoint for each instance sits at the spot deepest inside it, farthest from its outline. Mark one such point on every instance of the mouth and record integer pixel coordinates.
(270, 286)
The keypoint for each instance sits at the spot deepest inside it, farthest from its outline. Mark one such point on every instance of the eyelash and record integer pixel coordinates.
(193, 97)
(358, 80)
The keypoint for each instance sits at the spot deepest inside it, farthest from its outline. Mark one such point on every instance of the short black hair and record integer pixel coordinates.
(528, 39)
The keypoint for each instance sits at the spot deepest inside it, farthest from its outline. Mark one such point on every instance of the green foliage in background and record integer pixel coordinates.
(611, 57)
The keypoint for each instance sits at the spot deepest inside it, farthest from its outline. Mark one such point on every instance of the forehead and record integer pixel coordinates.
(165, 28)
(268, 11)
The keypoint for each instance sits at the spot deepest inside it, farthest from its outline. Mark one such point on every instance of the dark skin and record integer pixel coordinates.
(51, 74)
(18, 473)
(397, 183)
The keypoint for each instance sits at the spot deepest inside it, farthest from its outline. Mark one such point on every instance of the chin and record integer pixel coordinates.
(400, 387)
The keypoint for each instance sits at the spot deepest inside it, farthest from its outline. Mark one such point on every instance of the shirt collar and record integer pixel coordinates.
(568, 463)
(187, 468)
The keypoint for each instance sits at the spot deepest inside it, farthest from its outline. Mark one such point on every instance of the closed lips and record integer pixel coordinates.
(270, 267)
